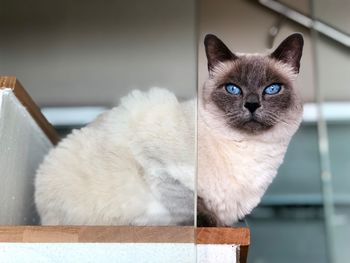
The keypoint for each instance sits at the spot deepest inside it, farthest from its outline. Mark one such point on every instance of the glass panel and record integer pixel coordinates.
(333, 67)
(134, 165)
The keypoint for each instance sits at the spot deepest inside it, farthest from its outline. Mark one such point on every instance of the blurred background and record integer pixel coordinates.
(91, 53)
(77, 58)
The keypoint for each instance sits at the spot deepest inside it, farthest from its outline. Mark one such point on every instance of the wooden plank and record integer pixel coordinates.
(49, 234)
(176, 234)
(103, 234)
(223, 235)
(168, 234)
(10, 82)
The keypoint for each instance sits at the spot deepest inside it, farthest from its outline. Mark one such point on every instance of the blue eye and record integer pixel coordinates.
(232, 89)
(272, 89)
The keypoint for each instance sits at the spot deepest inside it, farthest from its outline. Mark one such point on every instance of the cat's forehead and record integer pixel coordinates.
(253, 70)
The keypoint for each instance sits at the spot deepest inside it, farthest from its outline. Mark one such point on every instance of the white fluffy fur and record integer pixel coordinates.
(133, 165)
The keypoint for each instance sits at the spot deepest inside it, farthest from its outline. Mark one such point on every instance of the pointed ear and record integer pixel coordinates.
(216, 51)
(290, 51)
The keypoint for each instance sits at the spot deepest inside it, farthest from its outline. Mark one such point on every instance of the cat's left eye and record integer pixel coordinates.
(273, 89)
(233, 89)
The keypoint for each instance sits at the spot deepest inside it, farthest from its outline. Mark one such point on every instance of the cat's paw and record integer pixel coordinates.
(205, 217)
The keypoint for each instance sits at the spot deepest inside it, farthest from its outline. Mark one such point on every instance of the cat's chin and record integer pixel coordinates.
(253, 126)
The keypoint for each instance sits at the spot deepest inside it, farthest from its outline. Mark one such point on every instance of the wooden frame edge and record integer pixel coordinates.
(223, 235)
(12, 83)
(93, 234)
(176, 234)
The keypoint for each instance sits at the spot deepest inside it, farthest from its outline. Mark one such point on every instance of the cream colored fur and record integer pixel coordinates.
(133, 165)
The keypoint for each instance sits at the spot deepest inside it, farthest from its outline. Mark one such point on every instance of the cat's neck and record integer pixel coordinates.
(251, 147)
(234, 173)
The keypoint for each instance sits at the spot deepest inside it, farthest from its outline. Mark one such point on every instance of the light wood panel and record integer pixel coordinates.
(185, 234)
(124, 234)
(223, 235)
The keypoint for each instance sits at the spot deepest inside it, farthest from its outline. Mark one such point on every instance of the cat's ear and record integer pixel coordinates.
(216, 51)
(290, 51)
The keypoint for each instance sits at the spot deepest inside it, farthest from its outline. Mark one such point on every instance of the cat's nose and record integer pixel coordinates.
(252, 106)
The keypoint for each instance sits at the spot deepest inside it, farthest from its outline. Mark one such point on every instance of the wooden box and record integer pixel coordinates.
(25, 137)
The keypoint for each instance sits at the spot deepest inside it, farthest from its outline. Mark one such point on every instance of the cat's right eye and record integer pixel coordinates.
(233, 89)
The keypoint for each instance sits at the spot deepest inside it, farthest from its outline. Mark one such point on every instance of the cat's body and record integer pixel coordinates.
(132, 165)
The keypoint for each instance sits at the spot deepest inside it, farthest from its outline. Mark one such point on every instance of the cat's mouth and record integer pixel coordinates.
(253, 124)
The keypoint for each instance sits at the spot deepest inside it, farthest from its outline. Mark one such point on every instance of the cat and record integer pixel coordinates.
(248, 110)
(133, 165)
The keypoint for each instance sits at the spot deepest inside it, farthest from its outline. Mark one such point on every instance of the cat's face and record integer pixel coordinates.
(252, 93)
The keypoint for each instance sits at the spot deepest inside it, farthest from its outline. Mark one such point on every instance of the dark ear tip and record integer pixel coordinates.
(298, 37)
(290, 50)
(209, 37)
